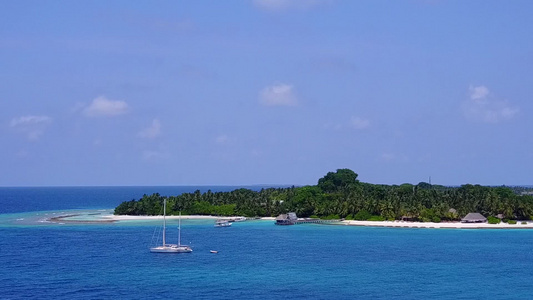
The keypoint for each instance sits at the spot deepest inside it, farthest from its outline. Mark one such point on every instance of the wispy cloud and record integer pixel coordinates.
(222, 139)
(387, 156)
(151, 155)
(256, 153)
(161, 24)
(32, 126)
(278, 95)
(359, 123)
(103, 107)
(483, 106)
(152, 131)
(285, 5)
(393, 157)
(339, 65)
(29, 120)
(332, 126)
(478, 92)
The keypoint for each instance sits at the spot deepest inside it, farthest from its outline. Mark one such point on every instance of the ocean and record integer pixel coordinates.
(256, 259)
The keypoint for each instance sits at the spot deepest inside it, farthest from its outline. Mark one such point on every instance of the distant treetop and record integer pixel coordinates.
(335, 181)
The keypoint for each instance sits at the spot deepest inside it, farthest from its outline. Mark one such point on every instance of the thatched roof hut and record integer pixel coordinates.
(409, 218)
(282, 217)
(474, 218)
(286, 219)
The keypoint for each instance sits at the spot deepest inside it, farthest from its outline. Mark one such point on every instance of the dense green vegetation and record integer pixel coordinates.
(340, 195)
(493, 220)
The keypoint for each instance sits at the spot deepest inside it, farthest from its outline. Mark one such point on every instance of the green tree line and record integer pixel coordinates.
(340, 195)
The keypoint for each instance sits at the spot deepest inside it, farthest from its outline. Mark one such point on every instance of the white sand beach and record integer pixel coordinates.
(183, 217)
(454, 225)
(128, 217)
(92, 217)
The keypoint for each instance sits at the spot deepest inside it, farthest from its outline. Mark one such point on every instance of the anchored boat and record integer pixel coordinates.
(171, 248)
(222, 223)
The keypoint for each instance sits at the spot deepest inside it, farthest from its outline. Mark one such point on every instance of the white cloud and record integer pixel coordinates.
(359, 123)
(102, 106)
(32, 126)
(478, 92)
(483, 106)
(285, 5)
(278, 95)
(152, 131)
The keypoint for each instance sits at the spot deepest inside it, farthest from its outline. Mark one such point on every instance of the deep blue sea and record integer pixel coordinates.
(256, 259)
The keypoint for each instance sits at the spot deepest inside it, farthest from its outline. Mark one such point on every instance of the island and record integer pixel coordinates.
(340, 195)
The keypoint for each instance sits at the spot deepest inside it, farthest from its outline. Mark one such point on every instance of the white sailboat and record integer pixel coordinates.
(171, 248)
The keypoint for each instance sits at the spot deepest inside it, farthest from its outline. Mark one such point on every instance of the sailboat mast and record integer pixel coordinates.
(179, 230)
(164, 220)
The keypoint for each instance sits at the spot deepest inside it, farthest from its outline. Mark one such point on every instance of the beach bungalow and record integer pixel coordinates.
(409, 218)
(474, 218)
(286, 219)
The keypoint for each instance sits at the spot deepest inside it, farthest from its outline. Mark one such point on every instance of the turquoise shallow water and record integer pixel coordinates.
(258, 260)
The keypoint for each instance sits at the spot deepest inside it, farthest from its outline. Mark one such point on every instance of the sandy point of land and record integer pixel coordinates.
(128, 217)
(183, 217)
(84, 217)
(455, 225)
(110, 218)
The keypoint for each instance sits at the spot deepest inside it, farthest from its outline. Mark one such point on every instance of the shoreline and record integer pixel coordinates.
(64, 219)
(99, 218)
(443, 225)
(96, 218)
(130, 217)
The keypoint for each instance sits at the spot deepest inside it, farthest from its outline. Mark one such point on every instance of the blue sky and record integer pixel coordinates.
(265, 92)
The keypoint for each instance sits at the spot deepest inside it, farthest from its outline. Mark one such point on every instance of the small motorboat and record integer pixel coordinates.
(222, 223)
(213, 251)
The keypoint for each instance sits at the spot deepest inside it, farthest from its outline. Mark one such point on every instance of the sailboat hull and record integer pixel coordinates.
(171, 249)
